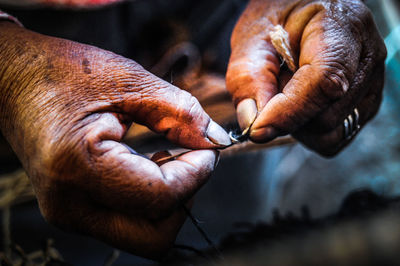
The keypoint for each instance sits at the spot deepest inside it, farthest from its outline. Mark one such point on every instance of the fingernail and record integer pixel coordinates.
(264, 134)
(246, 113)
(217, 134)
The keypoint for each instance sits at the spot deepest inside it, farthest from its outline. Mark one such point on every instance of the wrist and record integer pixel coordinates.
(18, 58)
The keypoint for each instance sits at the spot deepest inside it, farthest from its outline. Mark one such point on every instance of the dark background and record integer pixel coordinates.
(244, 188)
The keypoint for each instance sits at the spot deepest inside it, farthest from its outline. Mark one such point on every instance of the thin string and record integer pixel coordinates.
(194, 221)
(196, 224)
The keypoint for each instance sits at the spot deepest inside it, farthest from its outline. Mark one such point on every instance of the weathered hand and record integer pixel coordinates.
(65, 108)
(340, 66)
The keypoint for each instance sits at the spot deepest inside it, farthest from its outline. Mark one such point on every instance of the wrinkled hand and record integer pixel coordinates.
(340, 58)
(65, 107)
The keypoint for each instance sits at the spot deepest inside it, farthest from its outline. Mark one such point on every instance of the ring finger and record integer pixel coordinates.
(330, 143)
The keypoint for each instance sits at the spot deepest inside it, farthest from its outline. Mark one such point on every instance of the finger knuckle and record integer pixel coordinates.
(193, 107)
(375, 50)
(334, 82)
(363, 13)
(188, 110)
(360, 13)
(365, 24)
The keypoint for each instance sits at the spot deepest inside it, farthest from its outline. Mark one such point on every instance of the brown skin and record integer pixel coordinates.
(66, 106)
(340, 57)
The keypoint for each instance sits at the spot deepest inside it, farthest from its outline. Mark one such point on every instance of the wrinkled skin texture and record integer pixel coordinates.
(65, 107)
(340, 57)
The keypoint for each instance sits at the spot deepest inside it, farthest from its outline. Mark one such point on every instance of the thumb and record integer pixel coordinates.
(169, 110)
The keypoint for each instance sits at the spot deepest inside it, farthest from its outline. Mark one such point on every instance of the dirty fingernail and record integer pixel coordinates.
(264, 134)
(217, 134)
(246, 113)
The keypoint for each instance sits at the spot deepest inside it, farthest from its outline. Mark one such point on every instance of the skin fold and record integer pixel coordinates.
(340, 57)
(65, 107)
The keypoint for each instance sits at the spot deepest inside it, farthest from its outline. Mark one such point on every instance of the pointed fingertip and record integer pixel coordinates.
(217, 135)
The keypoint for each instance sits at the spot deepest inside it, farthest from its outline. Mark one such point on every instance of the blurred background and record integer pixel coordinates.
(246, 188)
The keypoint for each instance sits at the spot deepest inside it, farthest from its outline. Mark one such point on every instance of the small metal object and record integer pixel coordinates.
(356, 116)
(239, 137)
(351, 125)
(346, 128)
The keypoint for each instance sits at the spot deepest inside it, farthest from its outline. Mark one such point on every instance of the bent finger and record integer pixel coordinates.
(325, 75)
(169, 110)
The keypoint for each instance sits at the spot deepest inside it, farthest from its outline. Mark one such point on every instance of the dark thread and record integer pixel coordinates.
(195, 222)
